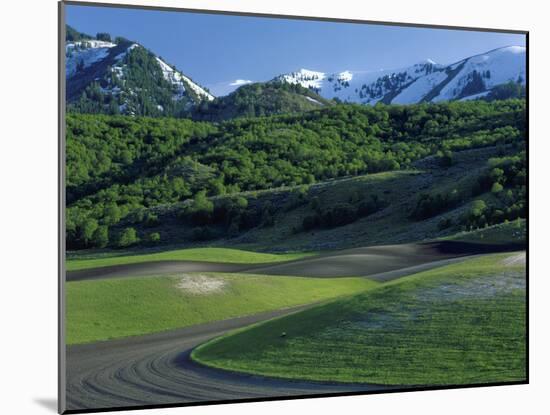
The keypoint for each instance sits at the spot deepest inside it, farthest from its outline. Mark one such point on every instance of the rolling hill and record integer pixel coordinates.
(260, 99)
(459, 324)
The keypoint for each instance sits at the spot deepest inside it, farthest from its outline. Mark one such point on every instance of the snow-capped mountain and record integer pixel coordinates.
(124, 77)
(425, 81)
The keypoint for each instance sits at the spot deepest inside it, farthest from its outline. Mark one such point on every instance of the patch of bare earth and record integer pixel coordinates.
(484, 287)
(515, 260)
(200, 284)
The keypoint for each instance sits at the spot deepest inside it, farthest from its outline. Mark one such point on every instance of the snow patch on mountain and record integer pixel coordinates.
(181, 82)
(487, 70)
(313, 100)
(367, 87)
(90, 44)
(82, 54)
(345, 76)
(239, 82)
(305, 77)
(418, 89)
(197, 89)
(475, 96)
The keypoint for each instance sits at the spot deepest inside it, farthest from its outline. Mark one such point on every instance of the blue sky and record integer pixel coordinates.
(216, 50)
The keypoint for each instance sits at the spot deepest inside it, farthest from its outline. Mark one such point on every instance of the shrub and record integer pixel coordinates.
(154, 237)
(496, 188)
(127, 237)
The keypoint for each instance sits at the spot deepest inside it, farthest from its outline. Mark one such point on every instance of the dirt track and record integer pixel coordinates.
(156, 369)
(377, 262)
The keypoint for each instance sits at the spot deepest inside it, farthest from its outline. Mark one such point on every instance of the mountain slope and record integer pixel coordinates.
(120, 76)
(481, 73)
(427, 81)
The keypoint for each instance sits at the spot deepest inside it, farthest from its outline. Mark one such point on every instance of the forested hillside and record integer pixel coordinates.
(118, 168)
(260, 99)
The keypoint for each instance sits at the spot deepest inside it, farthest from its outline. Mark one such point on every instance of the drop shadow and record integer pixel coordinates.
(48, 403)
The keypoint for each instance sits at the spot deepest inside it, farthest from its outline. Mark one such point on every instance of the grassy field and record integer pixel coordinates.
(235, 256)
(107, 309)
(463, 323)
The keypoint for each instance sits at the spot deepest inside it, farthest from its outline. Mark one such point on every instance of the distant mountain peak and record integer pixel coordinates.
(512, 49)
(427, 61)
(426, 80)
(105, 75)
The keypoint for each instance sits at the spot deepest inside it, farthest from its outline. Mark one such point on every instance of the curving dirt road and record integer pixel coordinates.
(376, 262)
(156, 369)
(153, 268)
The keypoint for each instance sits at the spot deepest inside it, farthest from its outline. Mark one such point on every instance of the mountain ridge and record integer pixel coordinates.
(120, 76)
(425, 81)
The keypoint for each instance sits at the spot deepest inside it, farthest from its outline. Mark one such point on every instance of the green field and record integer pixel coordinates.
(459, 324)
(227, 255)
(113, 308)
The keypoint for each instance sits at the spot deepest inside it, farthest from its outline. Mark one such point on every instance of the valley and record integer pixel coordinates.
(308, 233)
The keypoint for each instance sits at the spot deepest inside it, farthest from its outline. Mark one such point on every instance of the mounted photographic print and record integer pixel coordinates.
(260, 207)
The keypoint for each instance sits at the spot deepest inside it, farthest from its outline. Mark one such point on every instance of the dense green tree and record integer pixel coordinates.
(88, 230)
(478, 207)
(101, 236)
